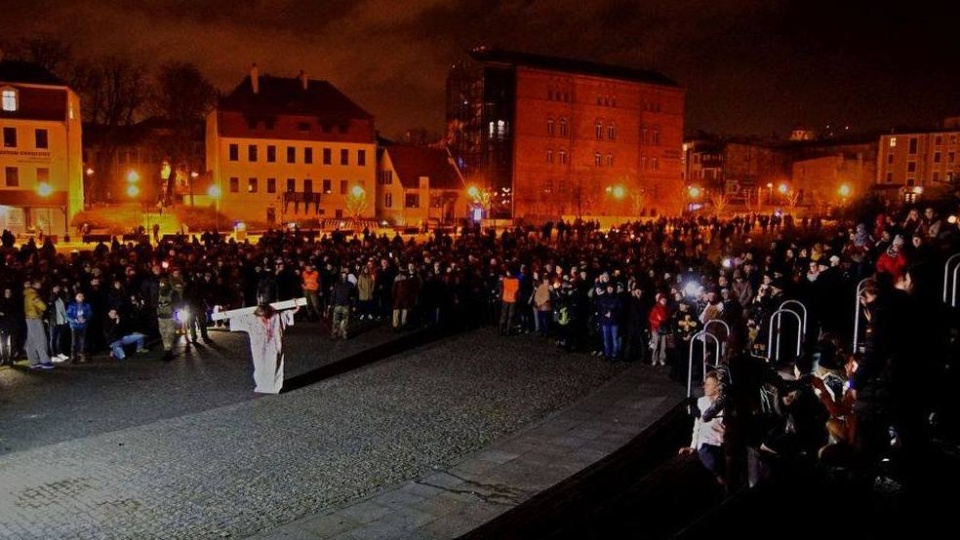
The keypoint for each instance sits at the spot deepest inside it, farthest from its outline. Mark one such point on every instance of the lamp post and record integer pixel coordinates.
(357, 202)
(44, 189)
(214, 193)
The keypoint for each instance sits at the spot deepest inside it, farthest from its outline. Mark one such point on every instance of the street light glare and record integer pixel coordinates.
(473, 191)
(357, 191)
(132, 191)
(133, 176)
(44, 189)
(618, 192)
(214, 192)
(844, 190)
(694, 192)
(782, 188)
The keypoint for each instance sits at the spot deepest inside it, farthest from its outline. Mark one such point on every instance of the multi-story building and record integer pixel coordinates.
(41, 167)
(550, 137)
(285, 150)
(418, 186)
(910, 163)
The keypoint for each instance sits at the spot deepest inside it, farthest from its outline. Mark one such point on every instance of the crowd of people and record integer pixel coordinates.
(642, 292)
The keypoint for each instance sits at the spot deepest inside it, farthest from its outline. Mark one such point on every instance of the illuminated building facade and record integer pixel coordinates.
(911, 164)
(41, 167)
(419, 186)
(551, 137)
(289, 150)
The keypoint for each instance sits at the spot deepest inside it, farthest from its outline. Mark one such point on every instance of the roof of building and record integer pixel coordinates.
(281, 95)
(494, 55)
(412, 162)
(18, 71)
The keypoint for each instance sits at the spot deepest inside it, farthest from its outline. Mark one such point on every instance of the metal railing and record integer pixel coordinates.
(803, 307)
(702, 336)
(722, 352)
(775, 329)
(856, 314)
(950, 278)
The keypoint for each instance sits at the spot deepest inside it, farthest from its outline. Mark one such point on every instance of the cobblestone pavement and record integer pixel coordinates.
(145, 449)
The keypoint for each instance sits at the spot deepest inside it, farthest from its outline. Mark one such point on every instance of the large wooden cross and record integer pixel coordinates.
(279, 306)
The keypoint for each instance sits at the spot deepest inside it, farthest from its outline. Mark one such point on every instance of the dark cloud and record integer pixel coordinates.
(749, 66)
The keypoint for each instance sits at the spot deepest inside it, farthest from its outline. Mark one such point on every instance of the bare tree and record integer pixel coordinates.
(113, 92)
(46, 51)
(720, 202)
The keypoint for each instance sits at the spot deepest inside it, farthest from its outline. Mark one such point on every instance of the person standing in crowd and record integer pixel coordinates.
(366, 285)
(707, 438)
(168, 301)
(33, 311)
(543, 298)
(310, 282)
(195, 299)
(341, 298)
(609, 308)
(11, 317)
(660, 331)
(58, 323)
(509, 292)
(79, 315)
(119, 331)
(265, 328)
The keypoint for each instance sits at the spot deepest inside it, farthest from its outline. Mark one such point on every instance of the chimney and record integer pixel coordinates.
(303, 79)
(255, 78)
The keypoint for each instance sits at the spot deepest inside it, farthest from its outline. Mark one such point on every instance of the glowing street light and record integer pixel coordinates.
(89, 171)
(214, 192)
(783, 189)
(694, 192)
(844, 191)
(44, 189)
(358, 191)
(133, 177)
(618, 192)
(133, 191)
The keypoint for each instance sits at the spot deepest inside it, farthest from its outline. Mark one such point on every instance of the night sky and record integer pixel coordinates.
(750, 67)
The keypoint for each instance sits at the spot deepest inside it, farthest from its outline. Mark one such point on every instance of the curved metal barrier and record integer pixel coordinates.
(702, 336)
(775, 323)
(856, 315)
(803, 307)
(951, 278)
(722, 352)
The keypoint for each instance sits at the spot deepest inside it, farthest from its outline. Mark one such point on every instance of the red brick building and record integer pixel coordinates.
(551, 137)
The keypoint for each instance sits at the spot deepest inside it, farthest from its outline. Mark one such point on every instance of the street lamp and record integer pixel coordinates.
(133, 191)
(769, 192)
(357, 201)
(44, 189)
(844, 191)
(133, 177)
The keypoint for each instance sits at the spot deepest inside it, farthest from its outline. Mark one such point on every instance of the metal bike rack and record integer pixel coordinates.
(947, 275)
(775, 329)
(722, 350)
(856, 314)
(702, 336)
(803, 307)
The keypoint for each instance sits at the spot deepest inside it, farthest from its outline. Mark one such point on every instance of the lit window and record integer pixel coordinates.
(9, 99)
(550, 126)
(388, 200)
(251, 185)
(563, 127)
(893, 142)
(598, 130)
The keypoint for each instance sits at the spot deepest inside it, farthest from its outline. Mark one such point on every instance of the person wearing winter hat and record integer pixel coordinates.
(892, 262)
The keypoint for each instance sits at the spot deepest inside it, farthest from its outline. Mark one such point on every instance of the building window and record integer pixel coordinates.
(563, 127)
(890, 159)
(41, 138)
(234, 152)
(893, 142)
(308, 186)
(549, 155)
(43, 175)
(13, 176)
(8, 99)
(326, 156)
(609, 160)
(938, 140)
(656, 135)
(344, 156)
(291, 154)
(271, 215)
(936, 157)
(343, 187)
(251, 185)
(654, 164)
(412, 200)
(9, 137)
(388, 200)
(234, 184)
(252, 153)
(912, 166)
(597, 159)
(291, 185)
(951, 157)
(889, 178)
(271, 185)
(386, 177)
(913, 145)
(598, 130)
(327, 186)
(271, 154)
(308, 155)
(612, 132)
(911, 182)
(563, 156)
(338, 214)
(643, 135)
(550, 127)
(936, 176)
(362, 158)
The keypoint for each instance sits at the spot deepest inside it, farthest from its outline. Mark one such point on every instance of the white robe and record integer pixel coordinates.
(266, 348)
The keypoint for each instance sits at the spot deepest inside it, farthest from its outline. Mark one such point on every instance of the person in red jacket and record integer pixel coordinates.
(659, 330)
(892, 261)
